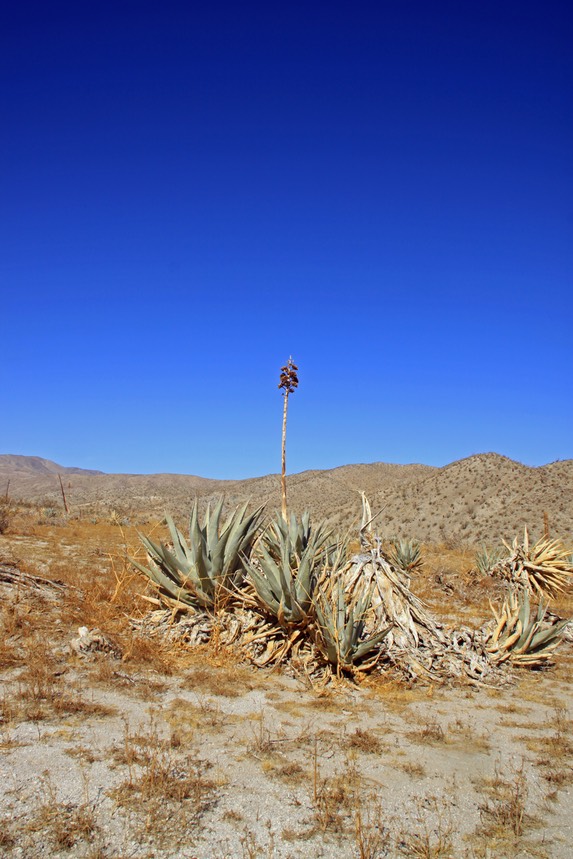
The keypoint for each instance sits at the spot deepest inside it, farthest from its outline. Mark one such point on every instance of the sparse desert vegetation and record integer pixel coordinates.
(473, 502)
(131, 739)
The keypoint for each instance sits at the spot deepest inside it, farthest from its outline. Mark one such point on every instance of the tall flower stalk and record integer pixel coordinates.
(288, 383)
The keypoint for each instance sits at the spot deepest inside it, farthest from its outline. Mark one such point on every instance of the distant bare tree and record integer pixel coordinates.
(63, 494)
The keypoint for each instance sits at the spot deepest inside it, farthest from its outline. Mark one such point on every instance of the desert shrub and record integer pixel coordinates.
(6, 516)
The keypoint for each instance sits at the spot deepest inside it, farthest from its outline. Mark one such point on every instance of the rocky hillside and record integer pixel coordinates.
(478, 499)
(15, 466)
(482, 498)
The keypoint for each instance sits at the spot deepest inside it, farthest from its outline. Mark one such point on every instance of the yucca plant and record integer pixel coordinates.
(341, 613)
(405, 555)
(285, 565)
(211, 566)
(523, 637)
(544, 568)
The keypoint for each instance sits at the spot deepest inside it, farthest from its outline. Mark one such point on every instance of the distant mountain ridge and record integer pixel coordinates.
(13, 462)
(477, 499)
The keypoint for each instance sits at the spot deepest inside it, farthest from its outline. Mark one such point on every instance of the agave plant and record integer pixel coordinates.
(544, 568)
(521, 636)
(285, 566)
(405, 555)
(299, 534)
(486, 559)
(200, 573)
(341, 618)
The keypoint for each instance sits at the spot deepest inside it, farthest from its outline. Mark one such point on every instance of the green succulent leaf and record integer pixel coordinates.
(405, 555)
(285, 565)
(341, 624)
(211, 564)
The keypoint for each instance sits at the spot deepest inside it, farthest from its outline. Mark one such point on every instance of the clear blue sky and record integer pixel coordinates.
(191, 192)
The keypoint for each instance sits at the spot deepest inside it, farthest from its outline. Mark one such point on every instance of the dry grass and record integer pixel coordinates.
(291, 772)
(396, 696)
(41, 692)
(463, 734)
(413, 768)
(163, 777)
(65, 824)
(264, 741)
(166, 784)
(335, 798)
(555, 752)
(187, 717)
(363, 740)
(8, 837)
(429, 732)
(103, 592)
(507, 816)
(372, 837)
(429, 834)
(512, 707)
(327, 700)
(222, 677)
(87, 754)
(7, 514)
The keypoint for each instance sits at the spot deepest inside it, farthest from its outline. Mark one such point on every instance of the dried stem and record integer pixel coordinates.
(288, 383)
(283, 461)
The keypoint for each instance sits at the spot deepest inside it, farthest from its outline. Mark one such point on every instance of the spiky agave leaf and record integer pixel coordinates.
(405, 555)
(341, 614)
(486, 559)
(285, 564)
(522, 636)
(210, 565)
(544, 568)
(298, 534)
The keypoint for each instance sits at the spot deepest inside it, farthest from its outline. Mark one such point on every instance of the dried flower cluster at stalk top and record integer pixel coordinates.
(289, 377)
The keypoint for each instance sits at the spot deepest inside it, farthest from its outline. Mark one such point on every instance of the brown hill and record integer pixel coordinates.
(481, 499)
(12, 464)
(473, 500)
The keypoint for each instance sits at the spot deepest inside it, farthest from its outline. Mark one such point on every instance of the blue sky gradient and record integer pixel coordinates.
(191, 194)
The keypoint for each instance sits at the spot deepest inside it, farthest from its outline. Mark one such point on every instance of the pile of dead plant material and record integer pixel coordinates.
(543, 568)
(289, 595)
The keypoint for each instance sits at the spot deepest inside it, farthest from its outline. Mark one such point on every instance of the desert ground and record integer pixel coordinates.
(146, 747)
